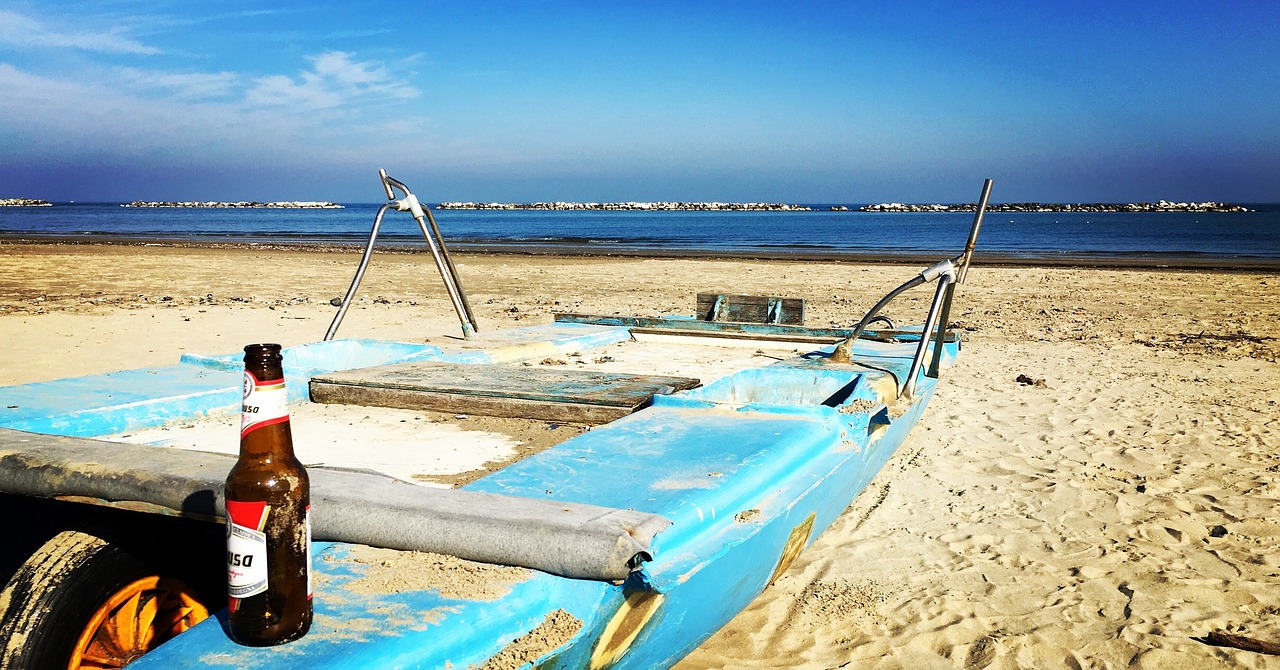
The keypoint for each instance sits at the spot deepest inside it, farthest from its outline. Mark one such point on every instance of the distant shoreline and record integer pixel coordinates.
(235, 205)
(889, 207)
(630, 206)
(1136, 261)
(1160, 206)
(1087, 208)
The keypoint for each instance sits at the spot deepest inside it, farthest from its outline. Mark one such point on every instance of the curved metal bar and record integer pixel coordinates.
(954, 269)
(457, 280)
(917, 361)
(355, 283)
(936, 363)
(973, 232)
(444, 266)
(844, 351)
(382, 176)
(439, 253)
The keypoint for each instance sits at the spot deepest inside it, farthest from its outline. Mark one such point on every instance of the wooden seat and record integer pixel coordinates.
(578, 396)
(750, 309)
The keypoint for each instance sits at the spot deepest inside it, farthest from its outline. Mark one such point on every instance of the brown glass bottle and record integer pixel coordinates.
(268, 506)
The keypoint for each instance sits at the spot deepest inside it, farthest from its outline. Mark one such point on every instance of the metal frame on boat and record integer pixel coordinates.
(623, 547)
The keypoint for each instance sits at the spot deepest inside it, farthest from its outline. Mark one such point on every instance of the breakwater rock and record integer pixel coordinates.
(238, 205)
(24, 202)
(632, 206)
(1159, 206)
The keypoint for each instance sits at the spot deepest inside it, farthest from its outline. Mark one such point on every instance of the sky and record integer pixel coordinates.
(806, 102)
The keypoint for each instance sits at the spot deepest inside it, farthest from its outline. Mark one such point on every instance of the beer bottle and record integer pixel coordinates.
(268, 514)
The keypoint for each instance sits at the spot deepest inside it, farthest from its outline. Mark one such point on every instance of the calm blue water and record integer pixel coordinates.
(1251, 235)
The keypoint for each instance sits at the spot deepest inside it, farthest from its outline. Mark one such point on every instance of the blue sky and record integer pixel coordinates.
(734, 101)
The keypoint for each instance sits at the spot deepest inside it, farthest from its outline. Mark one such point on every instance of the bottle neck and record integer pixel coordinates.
(268, 444)
(264, 429)
(264, 361)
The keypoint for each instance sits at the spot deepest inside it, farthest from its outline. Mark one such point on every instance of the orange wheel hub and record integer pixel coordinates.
(135, 620)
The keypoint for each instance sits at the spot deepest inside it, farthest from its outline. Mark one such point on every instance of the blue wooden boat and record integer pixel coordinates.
(623, 547)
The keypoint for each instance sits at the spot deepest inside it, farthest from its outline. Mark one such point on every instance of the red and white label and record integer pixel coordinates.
(246, 549)
(265, 403)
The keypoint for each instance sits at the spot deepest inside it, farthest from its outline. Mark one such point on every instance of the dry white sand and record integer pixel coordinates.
(1102, 519)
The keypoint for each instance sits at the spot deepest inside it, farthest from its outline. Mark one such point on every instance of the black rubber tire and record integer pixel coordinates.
(33, 522)
(49, 601)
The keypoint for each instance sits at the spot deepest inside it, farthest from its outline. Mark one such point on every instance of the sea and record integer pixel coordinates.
(1247, 239)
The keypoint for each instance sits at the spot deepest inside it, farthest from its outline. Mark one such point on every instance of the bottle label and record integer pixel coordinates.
(265, 403)
(246, 549)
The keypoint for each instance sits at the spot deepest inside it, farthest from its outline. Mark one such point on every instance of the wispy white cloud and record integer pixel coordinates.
(59, 115)
(22, 31)
(192, 86)
(333, 80)
(339, 103)
(281, 91)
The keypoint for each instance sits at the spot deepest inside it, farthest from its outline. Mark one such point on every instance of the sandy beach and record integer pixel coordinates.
(1118, 503)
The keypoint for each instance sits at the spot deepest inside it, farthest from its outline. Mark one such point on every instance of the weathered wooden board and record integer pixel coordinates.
(750, 309)
(762, 331)
(581, 396)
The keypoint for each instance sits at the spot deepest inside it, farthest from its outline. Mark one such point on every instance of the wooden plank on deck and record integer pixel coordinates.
(580, 396)
(750, 309)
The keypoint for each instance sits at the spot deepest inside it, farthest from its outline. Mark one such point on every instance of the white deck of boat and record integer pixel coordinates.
(446, 450)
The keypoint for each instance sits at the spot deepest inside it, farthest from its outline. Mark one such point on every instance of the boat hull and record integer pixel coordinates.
(749, 470)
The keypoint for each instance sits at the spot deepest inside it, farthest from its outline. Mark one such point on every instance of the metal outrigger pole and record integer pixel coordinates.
(948, 272)
(448, 273)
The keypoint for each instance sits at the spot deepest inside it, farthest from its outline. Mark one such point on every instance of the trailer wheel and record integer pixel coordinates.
(83, 601)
